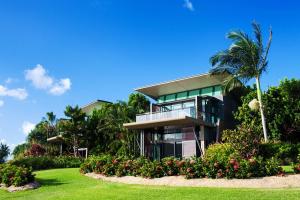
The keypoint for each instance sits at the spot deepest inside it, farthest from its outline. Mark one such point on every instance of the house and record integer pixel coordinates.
(188, 115)
(89, 108)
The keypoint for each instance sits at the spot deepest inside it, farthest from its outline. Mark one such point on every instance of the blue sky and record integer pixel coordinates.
(57, 52)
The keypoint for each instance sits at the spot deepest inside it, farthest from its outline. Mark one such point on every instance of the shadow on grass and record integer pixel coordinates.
(49, 182)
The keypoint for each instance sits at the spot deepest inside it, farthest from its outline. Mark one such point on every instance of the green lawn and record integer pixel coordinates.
(70, 184)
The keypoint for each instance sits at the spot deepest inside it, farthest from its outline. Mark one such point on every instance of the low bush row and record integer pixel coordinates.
(233, 167)
(47, 162)
(286, 153)
(14, 175)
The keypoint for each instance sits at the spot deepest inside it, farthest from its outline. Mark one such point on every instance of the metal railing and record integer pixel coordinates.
(173, 114)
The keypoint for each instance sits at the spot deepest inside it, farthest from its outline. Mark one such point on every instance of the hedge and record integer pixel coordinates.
(46, 162)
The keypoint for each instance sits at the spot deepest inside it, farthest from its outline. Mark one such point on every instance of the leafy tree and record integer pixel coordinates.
(139, 103)
(4, 152)
(20, 149)
(50, 121)
(74, 127)
(38, 134)
(245, 59)
(282, 109)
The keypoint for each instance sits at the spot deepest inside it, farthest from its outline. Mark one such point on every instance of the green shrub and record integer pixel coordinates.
(245, 140)
(170, 166)
(14, 175)
(46, 162)
(296, 168)
(220, 161)
(286, 153)
(191, 168)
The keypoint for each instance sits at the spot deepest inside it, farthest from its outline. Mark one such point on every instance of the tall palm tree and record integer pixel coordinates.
(245, 59)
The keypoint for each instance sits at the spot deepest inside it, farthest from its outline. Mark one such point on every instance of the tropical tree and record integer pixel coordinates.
(245, 59)
(4, 152)
(50, 123)
(74, 127)
(20, 149)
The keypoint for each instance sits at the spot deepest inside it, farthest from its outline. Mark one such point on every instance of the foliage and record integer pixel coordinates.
(282, 109)
(243, 139)
(14, 175)
(20, 149)
(35, 150)
(296, 168)
(244, 60)
(47, 162)
(286, 153)
(4, 152)
(221, 162)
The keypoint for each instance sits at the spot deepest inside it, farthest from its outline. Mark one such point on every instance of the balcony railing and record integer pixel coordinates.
(186, 112)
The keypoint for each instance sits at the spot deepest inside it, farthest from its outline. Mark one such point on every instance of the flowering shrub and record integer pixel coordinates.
(213, 165)
(192, 168)
(14, 175)
(296, 168)
(171, 166)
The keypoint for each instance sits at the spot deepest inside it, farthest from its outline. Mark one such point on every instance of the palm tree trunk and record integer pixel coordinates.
(263, 120)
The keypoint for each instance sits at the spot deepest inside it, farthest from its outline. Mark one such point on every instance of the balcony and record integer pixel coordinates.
(174, 114)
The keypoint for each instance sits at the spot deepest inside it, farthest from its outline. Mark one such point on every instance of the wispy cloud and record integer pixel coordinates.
(18, 93)
(189, 5)
(41, 80)
(27, 127)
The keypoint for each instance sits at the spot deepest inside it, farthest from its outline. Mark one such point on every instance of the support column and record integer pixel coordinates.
(142, 143)
(202, 139)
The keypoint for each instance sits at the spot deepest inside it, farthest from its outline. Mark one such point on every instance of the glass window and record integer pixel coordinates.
(189, 104)
(194, 93)
(161, 99)
(207, 91)
(176, 106)
(218, 90)
(170, 97)
(182, 95)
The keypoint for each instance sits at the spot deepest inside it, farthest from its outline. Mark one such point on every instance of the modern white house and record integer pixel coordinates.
(188, 115)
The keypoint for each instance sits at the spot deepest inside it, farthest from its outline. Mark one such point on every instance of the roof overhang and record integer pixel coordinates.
(58, 138)
(184, 84)
(88, 107)
(164, 122)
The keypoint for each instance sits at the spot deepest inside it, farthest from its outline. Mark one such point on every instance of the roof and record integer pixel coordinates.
(183, 84)
(164, 122)
(92, 105)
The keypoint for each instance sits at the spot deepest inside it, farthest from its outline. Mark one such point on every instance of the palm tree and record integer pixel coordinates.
(50, 122)
(245, 59)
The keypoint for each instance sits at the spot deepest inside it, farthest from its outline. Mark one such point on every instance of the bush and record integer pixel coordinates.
(220, 161)
(296, 168)
(216, 158)
(46, 162)
(192, 168)
(244, 139)
(286, 153)
(14, 175)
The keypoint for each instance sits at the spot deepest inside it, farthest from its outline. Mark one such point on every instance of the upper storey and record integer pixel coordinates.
(198, 85)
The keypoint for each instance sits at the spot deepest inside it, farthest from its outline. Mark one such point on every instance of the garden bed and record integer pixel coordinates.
(28, 186)
(288, 181)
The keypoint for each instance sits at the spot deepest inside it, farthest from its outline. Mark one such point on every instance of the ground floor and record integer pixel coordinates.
(178, 141)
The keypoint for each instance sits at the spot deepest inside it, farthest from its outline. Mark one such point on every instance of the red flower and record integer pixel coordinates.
(192, 162)
(189, 170)
(216, 164)
(232, 161)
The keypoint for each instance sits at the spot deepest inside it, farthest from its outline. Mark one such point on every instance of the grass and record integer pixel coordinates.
(70, 184)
